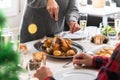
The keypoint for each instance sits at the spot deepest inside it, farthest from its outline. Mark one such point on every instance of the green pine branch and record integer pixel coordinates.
(9, 58)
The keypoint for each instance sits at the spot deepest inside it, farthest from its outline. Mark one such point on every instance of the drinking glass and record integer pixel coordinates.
(90, 32)
(15, 40)
(117, 23)
(33, 65)
(83, 23)
(112, 37)
(5, 37)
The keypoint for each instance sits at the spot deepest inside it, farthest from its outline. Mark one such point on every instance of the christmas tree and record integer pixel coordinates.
(9, 59)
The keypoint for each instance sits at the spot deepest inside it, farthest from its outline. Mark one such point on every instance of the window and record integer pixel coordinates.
(10, 7)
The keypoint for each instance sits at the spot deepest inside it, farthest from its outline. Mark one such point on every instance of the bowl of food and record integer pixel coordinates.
(99, 39)
(107, 29)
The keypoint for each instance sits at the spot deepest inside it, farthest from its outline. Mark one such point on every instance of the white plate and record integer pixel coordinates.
(76, 74)
(100, 48)
(76, 35)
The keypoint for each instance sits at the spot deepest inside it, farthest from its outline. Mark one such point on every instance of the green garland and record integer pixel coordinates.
(9, 59)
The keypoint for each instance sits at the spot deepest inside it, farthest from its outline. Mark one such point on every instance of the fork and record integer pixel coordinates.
(67, 64)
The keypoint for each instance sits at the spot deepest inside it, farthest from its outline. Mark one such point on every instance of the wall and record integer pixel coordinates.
(14, 21)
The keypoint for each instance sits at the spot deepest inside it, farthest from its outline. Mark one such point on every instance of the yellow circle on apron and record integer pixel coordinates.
(32, 28)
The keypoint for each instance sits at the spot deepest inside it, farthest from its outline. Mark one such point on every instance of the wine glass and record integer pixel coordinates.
(15, 40)
(5, 37)
(83, 23)
(117, 23)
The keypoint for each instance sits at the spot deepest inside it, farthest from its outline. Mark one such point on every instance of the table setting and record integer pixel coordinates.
(60, 62)
(90, 40)
(62, 66)
(58, 65)
(59, 51)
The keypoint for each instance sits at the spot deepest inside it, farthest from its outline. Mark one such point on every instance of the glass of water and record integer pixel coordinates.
(83, 23)
(112, 35)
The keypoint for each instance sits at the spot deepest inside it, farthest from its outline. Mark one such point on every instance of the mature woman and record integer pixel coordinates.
(47, 17)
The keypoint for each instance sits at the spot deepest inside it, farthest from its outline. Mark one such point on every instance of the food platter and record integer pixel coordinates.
(75, 45)
(76, 74)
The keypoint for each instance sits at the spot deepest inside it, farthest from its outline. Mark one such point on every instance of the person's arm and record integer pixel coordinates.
(72, 16)
(99, 61)
(73, 12)
(53, 9)
(51, 6)
(112, 70)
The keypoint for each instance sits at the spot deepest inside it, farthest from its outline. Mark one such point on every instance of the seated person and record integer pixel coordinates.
(109, 67)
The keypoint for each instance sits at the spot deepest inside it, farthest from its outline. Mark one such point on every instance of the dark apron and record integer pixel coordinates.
(37, 23)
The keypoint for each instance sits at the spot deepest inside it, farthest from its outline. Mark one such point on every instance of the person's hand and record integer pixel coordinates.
(82, 58)
(53, 9)
(74, 26)
(43, 72)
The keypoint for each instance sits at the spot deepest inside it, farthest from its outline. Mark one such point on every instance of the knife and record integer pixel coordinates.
(57, 27)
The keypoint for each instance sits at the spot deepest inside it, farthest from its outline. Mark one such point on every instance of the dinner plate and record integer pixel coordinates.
(74, 36)
(99, 48)
(76, 74)
(75, 45)
(102, 48)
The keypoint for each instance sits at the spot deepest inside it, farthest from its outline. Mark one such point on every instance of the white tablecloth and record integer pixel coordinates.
(56, 65)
